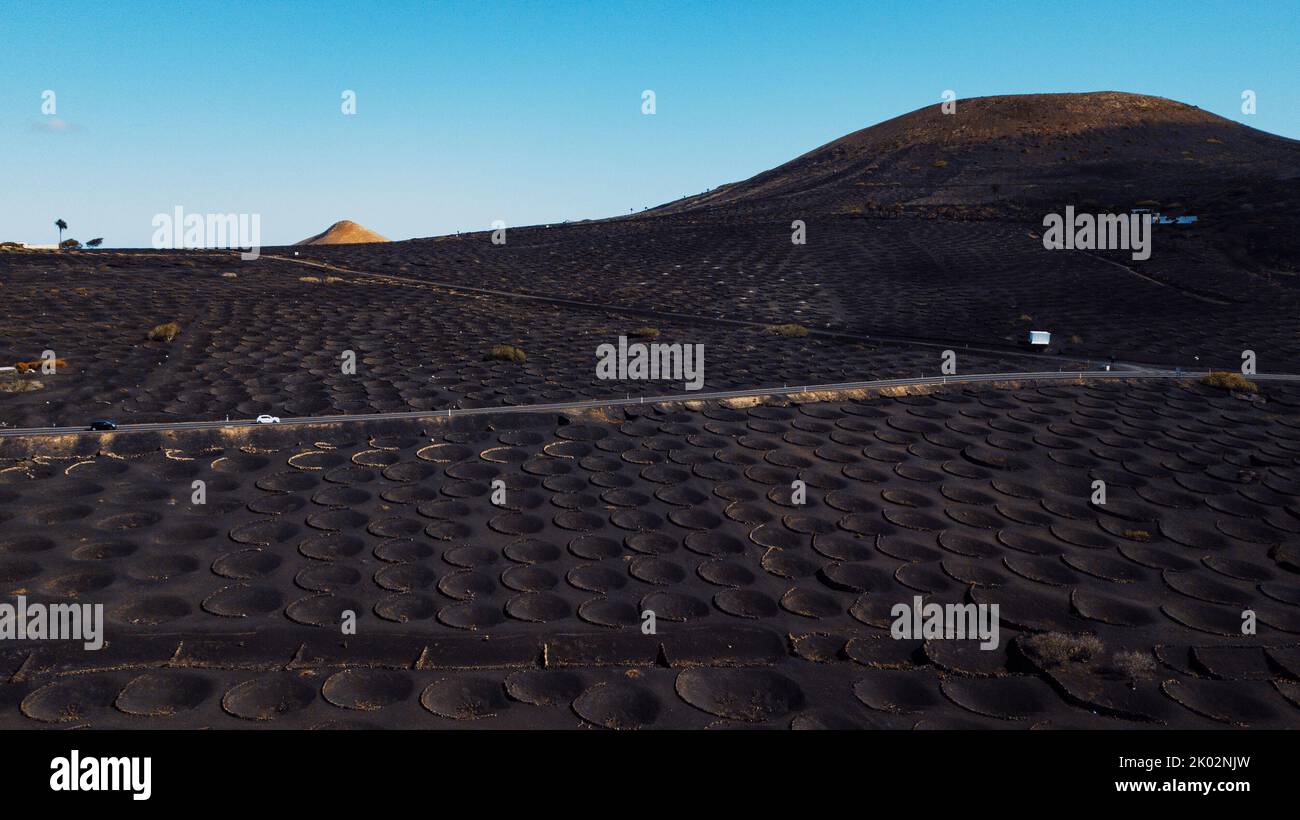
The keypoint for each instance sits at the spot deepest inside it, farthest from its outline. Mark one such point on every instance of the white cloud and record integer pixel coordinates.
(54, 124)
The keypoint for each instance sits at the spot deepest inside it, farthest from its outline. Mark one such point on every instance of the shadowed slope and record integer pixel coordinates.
(998, 155)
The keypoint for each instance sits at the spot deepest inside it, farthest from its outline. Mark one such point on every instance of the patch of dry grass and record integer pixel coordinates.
(310, 279)
(742, 402)
(33, 367)
(165, 333)
(1136, 664)
(906, 390)
(600, 415)
(1056, 648)
(646, 333)
(507, 353)
(1228, 380)
(815, 396)
(790, 331)
(20, 385)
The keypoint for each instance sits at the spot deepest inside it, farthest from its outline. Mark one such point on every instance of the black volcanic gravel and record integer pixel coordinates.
(768, 612)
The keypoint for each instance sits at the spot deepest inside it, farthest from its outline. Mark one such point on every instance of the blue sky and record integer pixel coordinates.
(530, 112)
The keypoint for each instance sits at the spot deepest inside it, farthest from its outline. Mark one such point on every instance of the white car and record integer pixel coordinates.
(265, 419)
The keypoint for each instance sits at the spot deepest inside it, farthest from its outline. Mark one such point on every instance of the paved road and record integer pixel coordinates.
(560, 407)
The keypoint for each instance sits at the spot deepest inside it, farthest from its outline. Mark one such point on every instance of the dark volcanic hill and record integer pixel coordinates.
(1019, 157)
(1000, 154)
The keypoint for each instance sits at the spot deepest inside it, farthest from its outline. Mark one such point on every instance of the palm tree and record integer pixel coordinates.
(62, 226)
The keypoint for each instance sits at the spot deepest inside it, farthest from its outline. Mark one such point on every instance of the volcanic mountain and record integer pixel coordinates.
(995, 156)
(345, 232)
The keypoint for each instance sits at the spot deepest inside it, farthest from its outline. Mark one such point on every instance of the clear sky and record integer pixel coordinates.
(530, 112)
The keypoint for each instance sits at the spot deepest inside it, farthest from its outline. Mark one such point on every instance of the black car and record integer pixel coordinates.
(103, 424)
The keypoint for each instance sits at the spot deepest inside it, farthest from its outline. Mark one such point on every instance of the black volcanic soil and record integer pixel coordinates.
(768, 613)
(266, 341)
(928, 227)
(956, 282)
